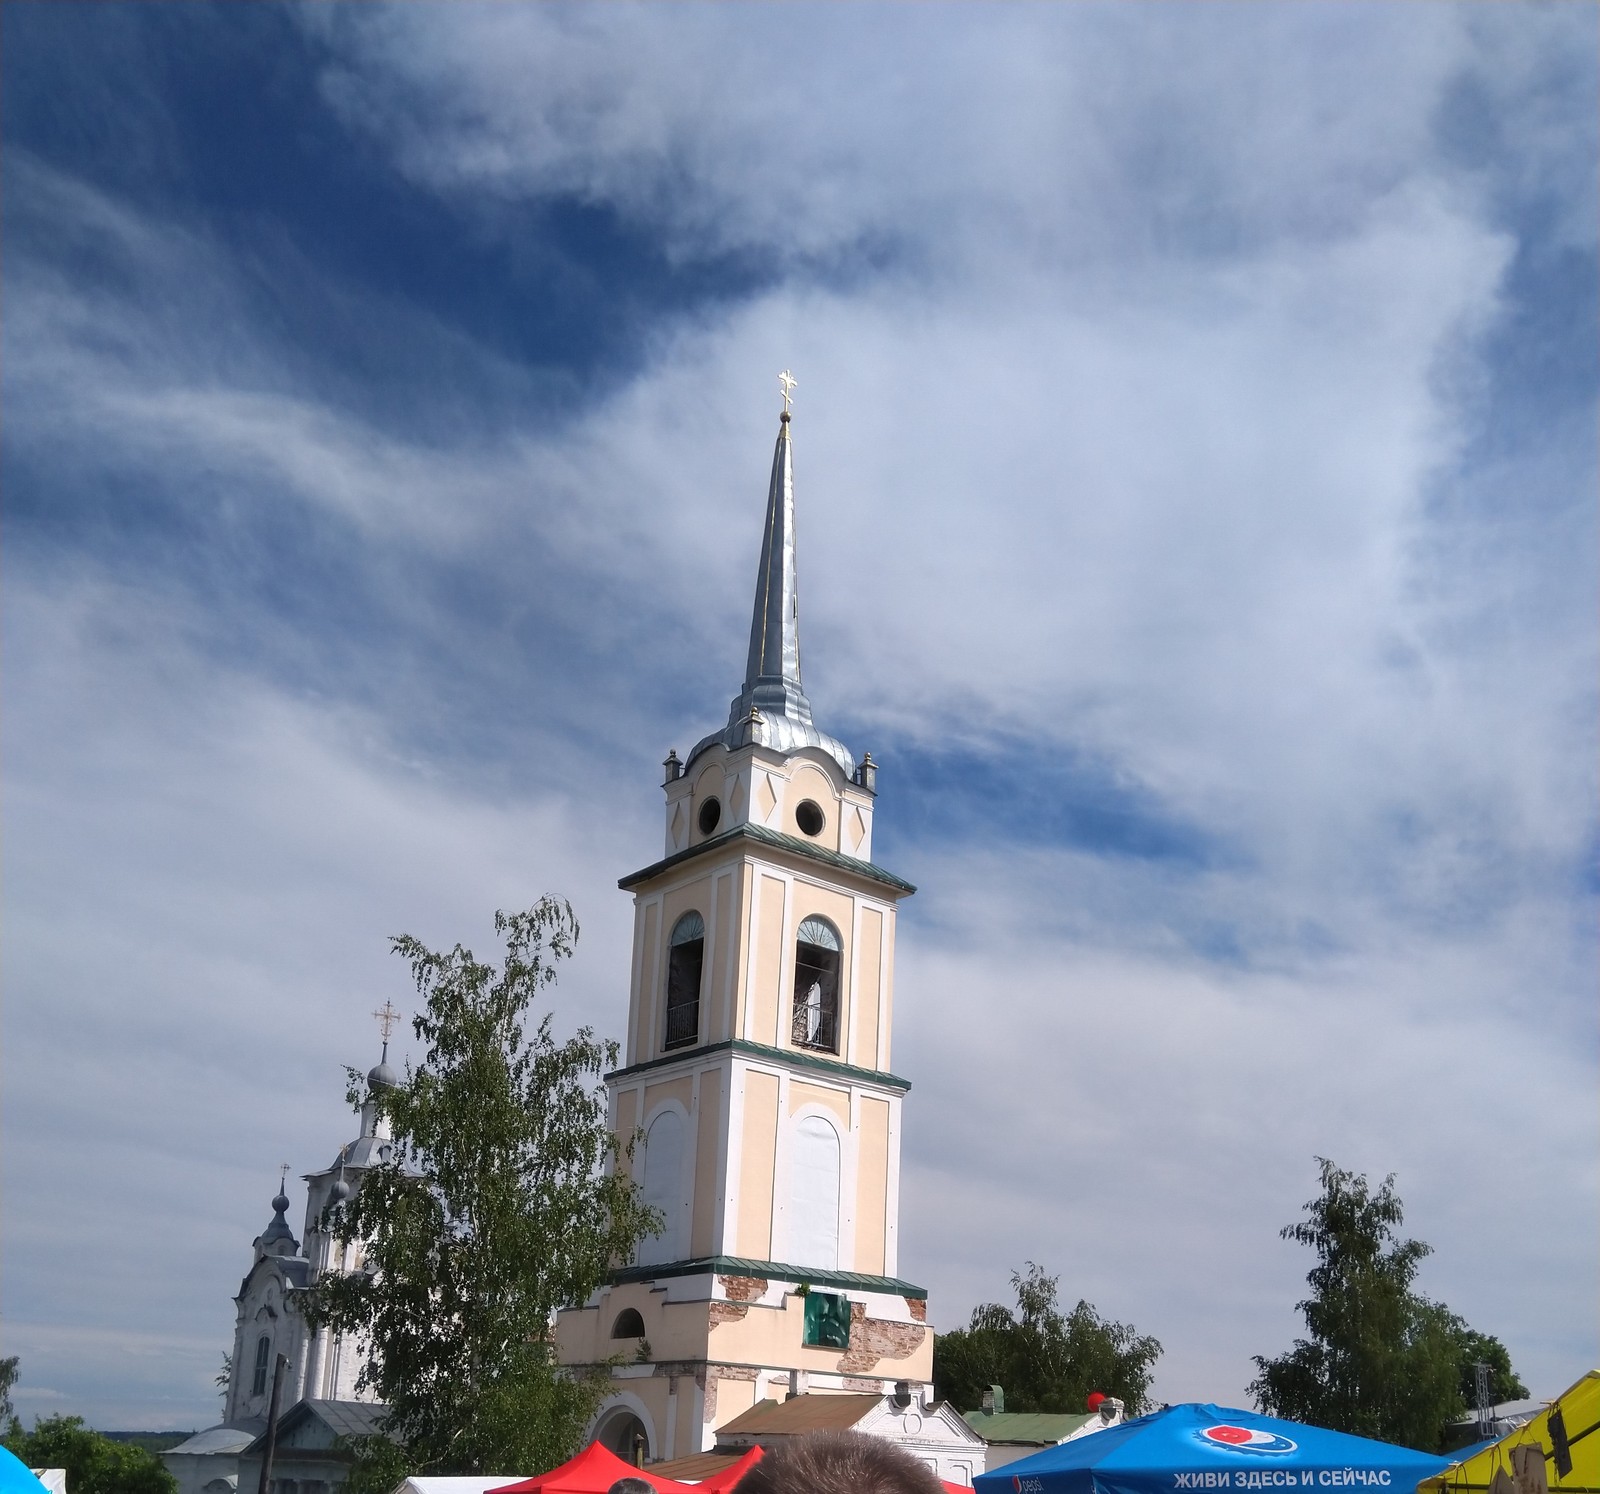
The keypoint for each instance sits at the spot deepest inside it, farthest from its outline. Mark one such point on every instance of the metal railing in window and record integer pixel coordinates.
(684, 965)
(815, 1021)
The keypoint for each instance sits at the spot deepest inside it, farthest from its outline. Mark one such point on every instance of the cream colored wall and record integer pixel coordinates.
(855, 838)
(865, 986)
(708, 1143)
(627, 1121)
(807, 781)
(757, 1159)
(835, 1101)
(708, 784)
(644, 983)
(872, 1185)
(744, 954)
(768, 959)
(680, 1331)
(716, 978)
(680, 1089)
(734, 1398)
(774, 1336)
(886, 1024)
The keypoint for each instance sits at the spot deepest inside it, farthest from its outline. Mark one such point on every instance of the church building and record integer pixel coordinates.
(758, 1073)
(322, 1366)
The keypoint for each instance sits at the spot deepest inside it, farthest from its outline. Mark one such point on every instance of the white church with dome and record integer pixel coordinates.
(320, 1366)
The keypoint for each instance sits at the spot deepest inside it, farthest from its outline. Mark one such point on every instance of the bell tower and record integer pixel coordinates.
(758, 1070)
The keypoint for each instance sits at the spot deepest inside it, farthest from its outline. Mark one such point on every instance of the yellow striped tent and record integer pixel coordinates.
(1558, 1452)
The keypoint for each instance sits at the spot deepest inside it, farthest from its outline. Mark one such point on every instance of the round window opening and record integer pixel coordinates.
(710, 813)
(808, 817)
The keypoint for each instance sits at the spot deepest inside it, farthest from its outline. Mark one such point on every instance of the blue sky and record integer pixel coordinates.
(1196, 465)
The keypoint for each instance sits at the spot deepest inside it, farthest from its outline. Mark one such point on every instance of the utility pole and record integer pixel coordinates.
(272, 1425)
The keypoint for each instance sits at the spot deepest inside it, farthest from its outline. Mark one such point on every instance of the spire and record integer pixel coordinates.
(772, 670)
(772, 708)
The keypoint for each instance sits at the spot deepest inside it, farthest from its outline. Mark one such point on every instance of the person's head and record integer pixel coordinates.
(632, 1485)
(837, 1463)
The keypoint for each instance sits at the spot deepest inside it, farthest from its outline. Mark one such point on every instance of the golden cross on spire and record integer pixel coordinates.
(787, 383)
(386, 1017)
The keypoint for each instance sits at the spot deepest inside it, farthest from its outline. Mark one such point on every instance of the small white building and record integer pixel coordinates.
(934, 1434)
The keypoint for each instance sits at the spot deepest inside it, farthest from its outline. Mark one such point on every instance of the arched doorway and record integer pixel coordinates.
(623, 1433)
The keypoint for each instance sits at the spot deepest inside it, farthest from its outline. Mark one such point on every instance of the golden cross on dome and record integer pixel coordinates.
(386, 1017)
(787, 383)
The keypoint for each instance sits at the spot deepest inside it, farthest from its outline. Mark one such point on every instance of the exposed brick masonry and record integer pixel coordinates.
(743, 1288)
(872, 1339)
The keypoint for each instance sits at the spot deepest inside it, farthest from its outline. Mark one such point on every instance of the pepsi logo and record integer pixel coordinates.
(1245, 1439)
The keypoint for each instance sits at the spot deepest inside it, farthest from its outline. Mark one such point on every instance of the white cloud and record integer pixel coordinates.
(1151, 442)
(202, 876)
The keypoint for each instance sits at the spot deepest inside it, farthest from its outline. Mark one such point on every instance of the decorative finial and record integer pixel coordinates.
(386, 1017)
(787, 383)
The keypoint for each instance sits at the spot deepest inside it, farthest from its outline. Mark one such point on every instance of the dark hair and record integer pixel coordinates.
(838, 1463)
(632, 1485)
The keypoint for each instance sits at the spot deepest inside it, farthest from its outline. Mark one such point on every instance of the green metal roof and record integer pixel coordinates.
(734, 1265)
(1040, 1428)
(791, 843)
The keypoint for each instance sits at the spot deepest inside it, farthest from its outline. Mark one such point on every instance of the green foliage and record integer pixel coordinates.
(380, 1465)
(1044, 1361)
(1473, 1348)
(95, 1464)
(495, 1210)
(8, 1378)
(1381, 1360)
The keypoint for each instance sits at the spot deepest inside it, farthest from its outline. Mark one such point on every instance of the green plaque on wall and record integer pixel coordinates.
(827, 1320)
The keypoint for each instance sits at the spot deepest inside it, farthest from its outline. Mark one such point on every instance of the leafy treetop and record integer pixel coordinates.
(496, 1209)
(1380, 1360)
(94, 1464)
(1043, 1360)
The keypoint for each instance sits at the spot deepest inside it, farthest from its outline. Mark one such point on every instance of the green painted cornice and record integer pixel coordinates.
(774, 840)
(788, 1057)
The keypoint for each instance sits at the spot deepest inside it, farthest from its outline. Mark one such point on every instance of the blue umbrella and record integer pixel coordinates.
(1212, 1448)
(14, 1475)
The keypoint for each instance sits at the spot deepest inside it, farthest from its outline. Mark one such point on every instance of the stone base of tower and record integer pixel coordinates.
(701, 1342)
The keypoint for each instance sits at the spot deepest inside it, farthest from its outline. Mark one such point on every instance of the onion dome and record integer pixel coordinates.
(383, 1076)
(279, 1228)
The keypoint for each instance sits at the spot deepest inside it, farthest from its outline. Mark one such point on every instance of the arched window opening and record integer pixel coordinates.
(663, 1188)
(816, 986)
(258, 1379)
(629, 1324)
(685, 961)
(814, 1167)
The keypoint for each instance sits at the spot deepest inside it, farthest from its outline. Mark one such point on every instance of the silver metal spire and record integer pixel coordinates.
(772, 708)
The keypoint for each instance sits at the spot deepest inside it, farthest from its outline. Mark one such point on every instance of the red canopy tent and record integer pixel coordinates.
(593, 1471)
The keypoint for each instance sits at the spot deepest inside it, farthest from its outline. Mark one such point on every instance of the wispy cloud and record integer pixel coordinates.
(1188, 521)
